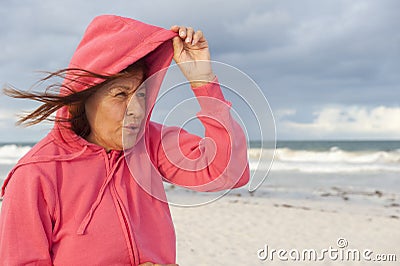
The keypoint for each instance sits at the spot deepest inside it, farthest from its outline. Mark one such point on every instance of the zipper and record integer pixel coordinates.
(132, 249)
(113, 159)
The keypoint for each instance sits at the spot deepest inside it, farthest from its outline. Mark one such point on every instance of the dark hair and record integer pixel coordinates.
(75, 100)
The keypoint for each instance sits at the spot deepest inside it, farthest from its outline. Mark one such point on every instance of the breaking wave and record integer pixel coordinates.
(11, 153)
(329, 161)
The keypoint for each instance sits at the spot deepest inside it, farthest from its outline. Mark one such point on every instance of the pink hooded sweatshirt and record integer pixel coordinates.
(69, 202)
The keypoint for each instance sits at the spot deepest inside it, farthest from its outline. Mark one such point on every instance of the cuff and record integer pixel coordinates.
(210, 96)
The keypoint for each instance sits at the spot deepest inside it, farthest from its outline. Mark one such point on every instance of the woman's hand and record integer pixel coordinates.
(192, 55)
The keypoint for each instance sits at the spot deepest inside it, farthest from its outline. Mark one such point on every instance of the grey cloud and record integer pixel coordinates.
(303, 54)
(348, 55)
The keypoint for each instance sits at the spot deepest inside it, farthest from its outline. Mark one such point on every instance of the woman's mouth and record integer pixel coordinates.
(132, 128)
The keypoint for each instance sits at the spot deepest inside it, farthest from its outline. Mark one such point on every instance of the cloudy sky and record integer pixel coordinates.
(329, 68)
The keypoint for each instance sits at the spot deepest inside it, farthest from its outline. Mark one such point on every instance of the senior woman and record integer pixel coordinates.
(90, 192)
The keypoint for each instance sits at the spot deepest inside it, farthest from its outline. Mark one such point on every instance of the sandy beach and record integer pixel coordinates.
(330, 200)
(233, 229)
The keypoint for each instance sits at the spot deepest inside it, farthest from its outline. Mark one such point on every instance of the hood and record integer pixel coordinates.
(109, 45)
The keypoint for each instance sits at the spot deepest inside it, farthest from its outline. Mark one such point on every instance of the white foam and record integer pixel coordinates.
(333, 160)
(10, 154)
(308, 161)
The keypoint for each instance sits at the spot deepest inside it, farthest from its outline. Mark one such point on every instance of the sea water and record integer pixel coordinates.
(346, 170)
(10, 153)
(351, 171)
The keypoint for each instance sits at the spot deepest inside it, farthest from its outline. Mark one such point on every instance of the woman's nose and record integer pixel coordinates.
(135, 109)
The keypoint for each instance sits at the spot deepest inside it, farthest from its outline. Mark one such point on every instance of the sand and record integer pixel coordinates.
(233, 229)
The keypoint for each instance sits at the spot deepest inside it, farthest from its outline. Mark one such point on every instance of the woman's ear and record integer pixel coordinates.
(79, 122)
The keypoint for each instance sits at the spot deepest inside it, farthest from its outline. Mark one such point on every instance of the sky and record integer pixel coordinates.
(329, 69)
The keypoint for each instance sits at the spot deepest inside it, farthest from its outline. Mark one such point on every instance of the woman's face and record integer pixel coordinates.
(107, 108)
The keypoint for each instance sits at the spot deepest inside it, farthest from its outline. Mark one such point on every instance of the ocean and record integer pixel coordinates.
(355, 172)
(10, 154)
(333, 156)
(366, 171)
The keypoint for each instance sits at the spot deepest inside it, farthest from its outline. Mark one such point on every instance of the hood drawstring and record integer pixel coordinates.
(86, 221)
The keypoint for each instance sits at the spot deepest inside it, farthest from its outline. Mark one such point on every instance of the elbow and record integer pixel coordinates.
(244, 179)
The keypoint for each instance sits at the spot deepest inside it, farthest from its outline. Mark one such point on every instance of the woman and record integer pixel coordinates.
(90, 192)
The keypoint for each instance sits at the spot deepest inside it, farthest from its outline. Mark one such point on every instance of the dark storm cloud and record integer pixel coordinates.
(352, 49)
(304, 55)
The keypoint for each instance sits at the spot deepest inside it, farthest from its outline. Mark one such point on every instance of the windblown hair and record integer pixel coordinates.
(52, 100)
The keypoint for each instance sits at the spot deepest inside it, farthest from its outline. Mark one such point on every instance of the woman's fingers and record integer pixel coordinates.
(198, 36)
(181, 30)
(187, 34)
(191, 47)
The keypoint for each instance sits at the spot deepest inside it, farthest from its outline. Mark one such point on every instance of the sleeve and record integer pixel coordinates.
(216, 162)
(26, 219)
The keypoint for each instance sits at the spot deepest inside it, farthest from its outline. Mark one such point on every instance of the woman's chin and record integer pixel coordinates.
(129, 140)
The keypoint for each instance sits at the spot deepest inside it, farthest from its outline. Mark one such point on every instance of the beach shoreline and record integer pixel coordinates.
(314, 194)
(232, 229)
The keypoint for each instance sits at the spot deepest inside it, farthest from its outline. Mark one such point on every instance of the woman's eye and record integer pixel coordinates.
(141, 94)
(121, 94)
